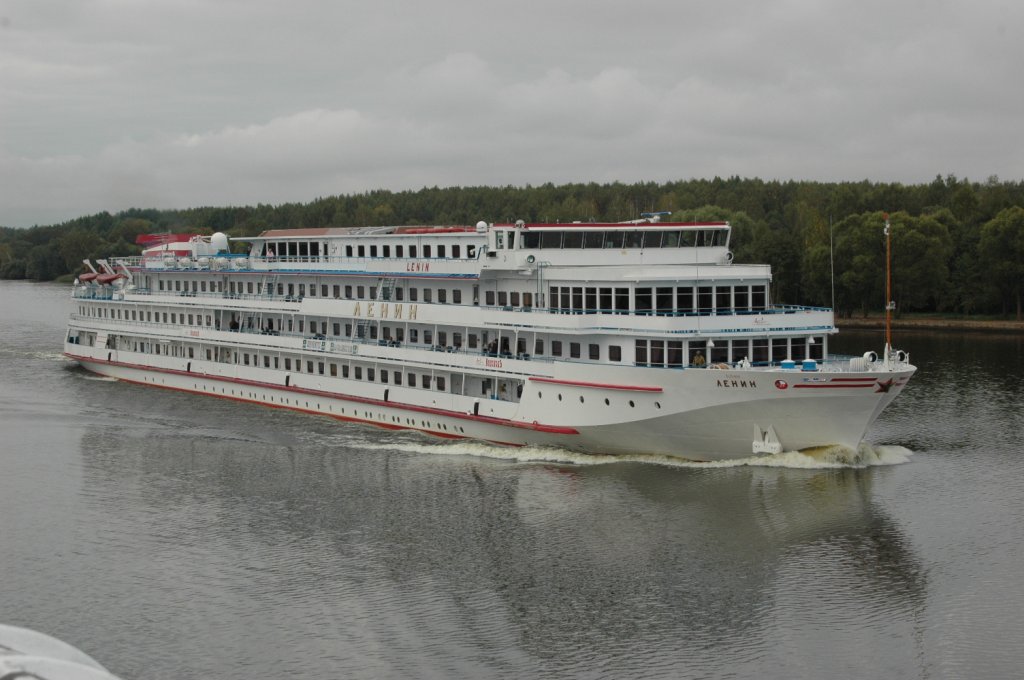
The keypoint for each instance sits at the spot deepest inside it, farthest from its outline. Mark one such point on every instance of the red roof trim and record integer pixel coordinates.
(626, 226)
(599, 386)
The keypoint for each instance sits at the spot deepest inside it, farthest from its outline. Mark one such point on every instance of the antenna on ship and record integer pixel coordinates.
(889, 303)
(831, 264)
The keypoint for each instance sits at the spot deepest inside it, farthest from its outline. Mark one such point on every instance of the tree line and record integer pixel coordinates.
(958, 245)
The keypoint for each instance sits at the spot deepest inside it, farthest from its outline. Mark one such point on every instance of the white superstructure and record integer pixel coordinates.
(639, 337)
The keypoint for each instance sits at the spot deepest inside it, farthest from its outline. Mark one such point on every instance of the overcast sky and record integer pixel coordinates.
(111, 104)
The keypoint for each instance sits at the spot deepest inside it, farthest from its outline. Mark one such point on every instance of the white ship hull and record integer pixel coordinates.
(701, 414)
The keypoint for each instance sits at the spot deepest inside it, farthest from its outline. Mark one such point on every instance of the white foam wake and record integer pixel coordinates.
(866, 455)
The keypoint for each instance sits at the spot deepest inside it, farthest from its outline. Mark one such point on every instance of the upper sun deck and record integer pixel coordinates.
(454, 250)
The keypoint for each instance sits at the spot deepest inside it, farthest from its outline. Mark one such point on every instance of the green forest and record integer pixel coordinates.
(958, 245)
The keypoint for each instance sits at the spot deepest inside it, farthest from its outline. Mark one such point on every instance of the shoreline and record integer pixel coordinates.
(938, 323)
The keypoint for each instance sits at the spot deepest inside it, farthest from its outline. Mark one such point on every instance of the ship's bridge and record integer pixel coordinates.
(644, 242)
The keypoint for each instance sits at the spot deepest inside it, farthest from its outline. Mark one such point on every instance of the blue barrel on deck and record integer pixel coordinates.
(788, 364)
(810, 365)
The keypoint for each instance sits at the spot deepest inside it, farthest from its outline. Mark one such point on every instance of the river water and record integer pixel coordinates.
(171, 535)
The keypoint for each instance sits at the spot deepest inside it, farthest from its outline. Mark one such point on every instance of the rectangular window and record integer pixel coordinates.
(287, 364)
(740, 350)
(723, 299)
(360, 292)
(337, 292)
(320, 367)
(344, 371)
(384, 376)
(399, 251)
(684, 300)
(513, 298)
(456, 252)
(371, 374)
(413, 294)
(657, 352)
(428, 294)
(425, 381)
(489, 298)
(675, 353)
(590, 298)
(348, 292)
(574, 350)
(457, 296)
(741, 295)
(614, 353)
(641, 352)
(758, 298)
(663, 300)
(704, 300)
(442, 295)
(410, 380)
(309, 367)
(334, 370)
(412, 251)
(387, 251)
(622, 300)
(577, 299)
(359, 372)
(642, 301)
(440, 251)
(556, 348)
(502, 298)
(426, 251)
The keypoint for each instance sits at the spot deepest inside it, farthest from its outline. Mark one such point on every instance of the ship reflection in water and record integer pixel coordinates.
(384, 554)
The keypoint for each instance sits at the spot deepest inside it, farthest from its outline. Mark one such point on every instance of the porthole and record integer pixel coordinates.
(539, 395)
(606, 402)
(559, 397)
(657, 404)
(631, 404)
(581, 398)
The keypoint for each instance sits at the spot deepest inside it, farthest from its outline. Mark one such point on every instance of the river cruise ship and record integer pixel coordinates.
(641, 337)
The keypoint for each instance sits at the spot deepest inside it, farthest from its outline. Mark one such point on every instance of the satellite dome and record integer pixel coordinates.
(219, 242)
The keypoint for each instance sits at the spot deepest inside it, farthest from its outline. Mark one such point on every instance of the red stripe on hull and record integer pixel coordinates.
(536, 427)
(601, 386)
(825, 386)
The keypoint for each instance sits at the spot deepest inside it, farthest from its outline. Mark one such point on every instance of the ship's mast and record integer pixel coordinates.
(889, 303)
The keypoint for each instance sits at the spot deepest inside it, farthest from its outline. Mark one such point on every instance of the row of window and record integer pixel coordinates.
(663, 300)
(671, 353)
(303, 250)
(678, 353)
(551, 239)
